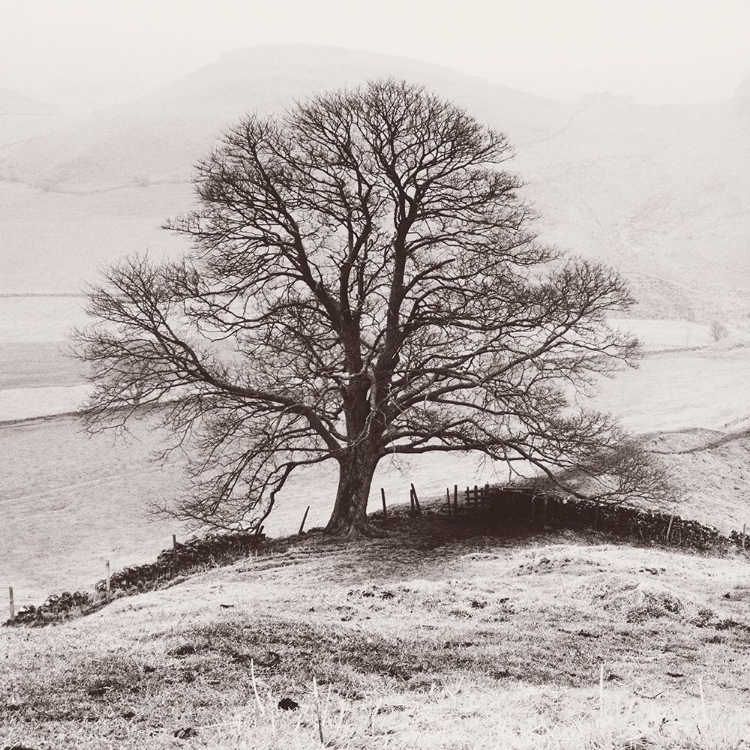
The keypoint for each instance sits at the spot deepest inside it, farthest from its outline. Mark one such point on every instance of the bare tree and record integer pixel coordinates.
(718, 330)
(363, 282)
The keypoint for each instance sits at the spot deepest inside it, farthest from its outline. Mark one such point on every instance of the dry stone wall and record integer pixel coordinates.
(624, 521)
(194, 555)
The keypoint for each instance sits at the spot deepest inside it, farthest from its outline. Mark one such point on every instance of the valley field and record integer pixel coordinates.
(71, 502)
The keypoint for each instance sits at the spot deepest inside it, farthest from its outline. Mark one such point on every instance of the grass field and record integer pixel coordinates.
(37, 364)
(36, 376)
(682, 390)
(28, 319)
(548, 641)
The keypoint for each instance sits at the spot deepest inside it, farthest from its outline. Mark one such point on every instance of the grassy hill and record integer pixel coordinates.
(439, 636)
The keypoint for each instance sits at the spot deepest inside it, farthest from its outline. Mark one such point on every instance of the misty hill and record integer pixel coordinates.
(22, 117)
(743, 91)
(160, 136)
(15, 104)
(660, 192)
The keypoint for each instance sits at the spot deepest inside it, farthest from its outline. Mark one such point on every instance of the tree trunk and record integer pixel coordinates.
(349, 516)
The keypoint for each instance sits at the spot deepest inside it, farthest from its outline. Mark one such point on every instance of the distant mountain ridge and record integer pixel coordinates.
(160, 136)
(663, 193)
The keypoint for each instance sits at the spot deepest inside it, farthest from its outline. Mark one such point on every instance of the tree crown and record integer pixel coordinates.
(363, 282)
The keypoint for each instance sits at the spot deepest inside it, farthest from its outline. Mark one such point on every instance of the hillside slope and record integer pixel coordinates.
(22, 118)
(711, 471)
(433, 638)
(660, 192)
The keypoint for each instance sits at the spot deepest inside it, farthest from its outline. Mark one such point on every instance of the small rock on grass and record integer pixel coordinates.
(185, 733)
(184, 650)
(287, 704)
(98, 691)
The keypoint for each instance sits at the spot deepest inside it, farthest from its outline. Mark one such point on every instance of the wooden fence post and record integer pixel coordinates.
(11, 606)
(448, 497)
(382, 496)
(304, 518)
(455, 497)
(416, 501)
(109, 589)
(669, 528)
(744, 527)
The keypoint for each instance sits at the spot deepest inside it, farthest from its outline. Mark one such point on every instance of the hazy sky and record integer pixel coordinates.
(656, 50)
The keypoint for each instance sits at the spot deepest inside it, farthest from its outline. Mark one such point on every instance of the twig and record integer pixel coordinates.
(255, 687)
(326, 704)
(375, 710)
(649, 697)
(318, 711)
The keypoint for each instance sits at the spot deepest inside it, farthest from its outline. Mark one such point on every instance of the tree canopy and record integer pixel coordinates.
(363, 281)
